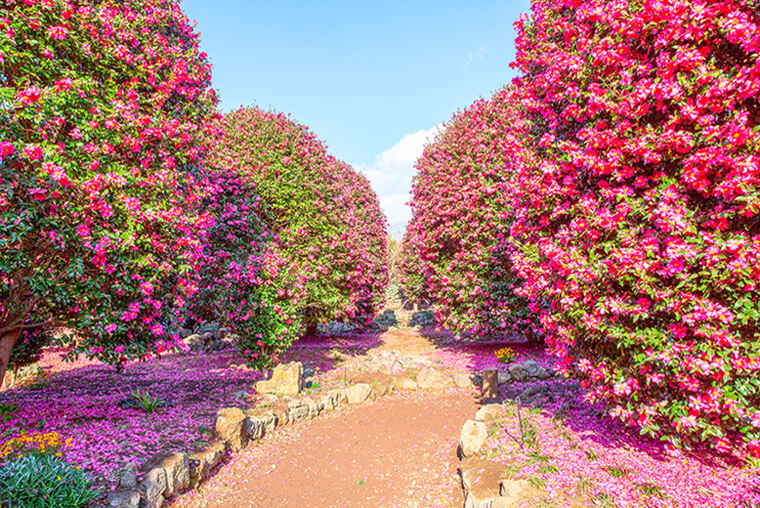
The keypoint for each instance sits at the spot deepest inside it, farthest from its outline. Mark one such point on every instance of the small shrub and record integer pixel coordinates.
(147, 403)
(7, 410)
(44, 481)
(36, 444)
(506, 355)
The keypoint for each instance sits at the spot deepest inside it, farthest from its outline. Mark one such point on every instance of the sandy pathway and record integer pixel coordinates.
(396, 451)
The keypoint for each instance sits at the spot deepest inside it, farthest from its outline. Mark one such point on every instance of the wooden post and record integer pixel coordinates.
(490, 383)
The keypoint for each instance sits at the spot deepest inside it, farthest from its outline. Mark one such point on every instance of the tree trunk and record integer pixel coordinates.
(311, 329)
(7, 341)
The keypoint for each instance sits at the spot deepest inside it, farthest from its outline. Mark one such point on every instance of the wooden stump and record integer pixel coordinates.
(490, 383)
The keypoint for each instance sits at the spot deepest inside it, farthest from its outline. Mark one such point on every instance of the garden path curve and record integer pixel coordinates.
(398, 450)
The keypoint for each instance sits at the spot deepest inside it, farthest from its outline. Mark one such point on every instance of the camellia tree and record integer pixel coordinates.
(101, 109)
(460, 218)
(326, 254)
(637, 223)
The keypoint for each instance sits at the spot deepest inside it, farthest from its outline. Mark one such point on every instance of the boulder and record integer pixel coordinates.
(254, 428)
(152, 488)
(462, 380)
(231, 427)
(531, 391)
(543, 373)
(338, 395)
(358, 393)
(430, 378)
(531, 368)
(518, 372)
(472, 438)
(297, 410)
(283, 416)
(195, 342)
(287, 379)
(123, 499)
(128, 479)
(201, 463)
(510, 490)
(504, 377)
(270, 422)
(313, 406)
(489, 412)
(177, 472)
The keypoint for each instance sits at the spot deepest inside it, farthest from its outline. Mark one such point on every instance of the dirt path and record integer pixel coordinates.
(399, 450)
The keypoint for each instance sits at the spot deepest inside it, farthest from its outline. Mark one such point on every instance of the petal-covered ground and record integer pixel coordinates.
(567, 447)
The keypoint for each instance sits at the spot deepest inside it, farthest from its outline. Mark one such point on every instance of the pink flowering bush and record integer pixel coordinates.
(326, 234)
(100, 128)
(460, 217)
(635, 226)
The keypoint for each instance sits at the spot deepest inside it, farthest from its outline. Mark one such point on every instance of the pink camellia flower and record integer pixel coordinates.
(38, 194)
(30, 95)
(6, 149)
(58, 32)
(33, 152)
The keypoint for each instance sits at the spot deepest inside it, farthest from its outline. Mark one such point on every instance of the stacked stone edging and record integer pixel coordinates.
(472, 440)
(169, 474)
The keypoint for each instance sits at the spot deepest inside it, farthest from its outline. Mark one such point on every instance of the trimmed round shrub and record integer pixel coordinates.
(460, 216)
(327, 234)
(102, 105)
(636, 225)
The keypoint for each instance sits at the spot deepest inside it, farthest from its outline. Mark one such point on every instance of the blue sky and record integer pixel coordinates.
(371, 79)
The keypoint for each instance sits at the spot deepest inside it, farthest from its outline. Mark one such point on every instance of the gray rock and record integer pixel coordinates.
(297, 411)
(231, 427)
(184, 333)
(358, 393)
(531, 391)
(270, 422)
(543, 373)
(286, 379)
(204, 461)
(128, 479)
(152, 488)
(518, 372)
(472, 438)
(176, 468)
(327, 403)
(504, 377)
(462, 380)
(313, 407)
(123, 499)
(531, 368)
(242, 395)
(255, 428)
(430, 378)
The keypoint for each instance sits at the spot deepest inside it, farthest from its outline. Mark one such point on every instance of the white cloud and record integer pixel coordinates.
(391, 175)
(474, 55)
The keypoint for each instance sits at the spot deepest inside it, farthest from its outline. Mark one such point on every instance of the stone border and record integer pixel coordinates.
(472, 439)
(170, 474)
